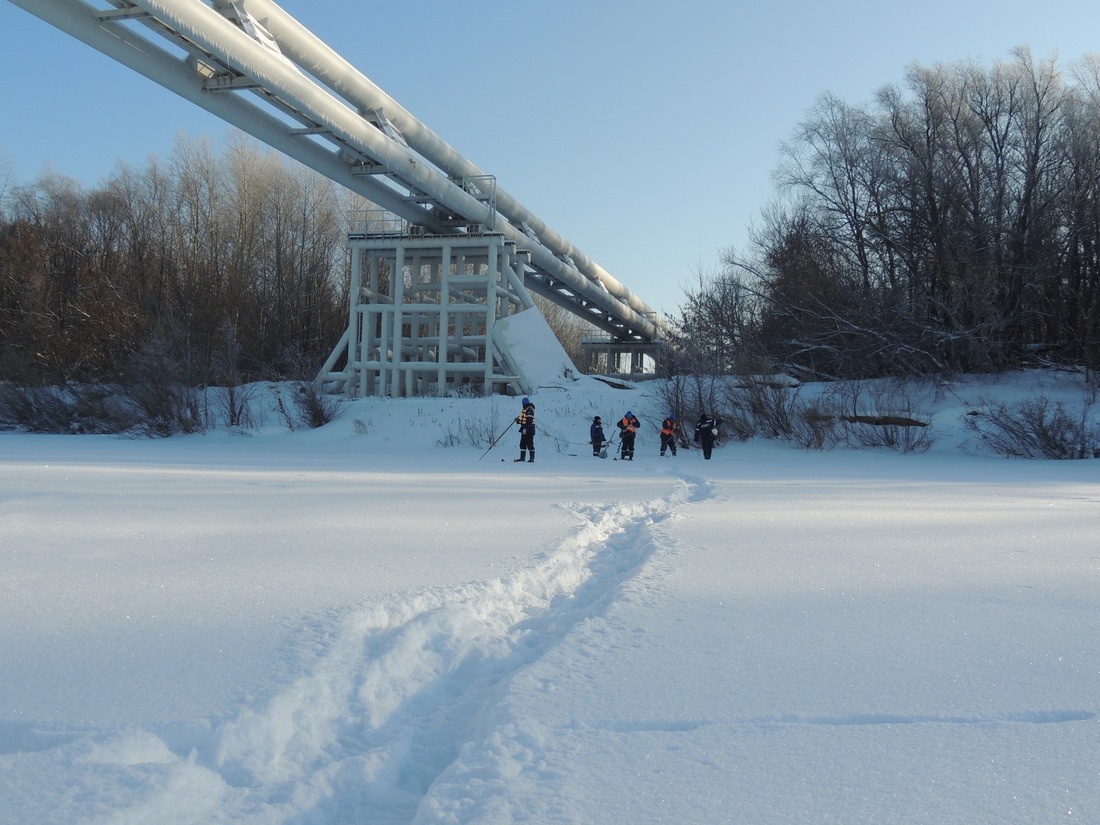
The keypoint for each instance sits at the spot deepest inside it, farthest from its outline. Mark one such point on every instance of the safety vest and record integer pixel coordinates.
(669, 427)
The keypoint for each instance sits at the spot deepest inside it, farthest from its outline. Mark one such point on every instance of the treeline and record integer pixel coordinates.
(217, 269)
(950, 225)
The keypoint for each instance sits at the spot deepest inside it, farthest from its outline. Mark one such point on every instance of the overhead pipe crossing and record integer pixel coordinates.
(307, 92)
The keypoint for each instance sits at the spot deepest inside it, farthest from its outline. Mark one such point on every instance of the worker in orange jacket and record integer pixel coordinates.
(628, 429)
(668, 435)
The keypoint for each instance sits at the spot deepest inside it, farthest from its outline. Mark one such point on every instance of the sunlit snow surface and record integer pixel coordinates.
(359, 625)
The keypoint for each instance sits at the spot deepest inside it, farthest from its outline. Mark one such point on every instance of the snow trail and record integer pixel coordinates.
(402, 685)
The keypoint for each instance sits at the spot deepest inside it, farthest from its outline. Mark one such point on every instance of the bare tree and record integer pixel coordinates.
(175, 254)
(950, 225)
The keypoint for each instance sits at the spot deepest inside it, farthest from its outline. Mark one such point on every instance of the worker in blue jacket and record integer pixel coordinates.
(596, 436)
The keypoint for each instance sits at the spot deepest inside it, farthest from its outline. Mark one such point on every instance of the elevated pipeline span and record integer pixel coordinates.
(253, 65)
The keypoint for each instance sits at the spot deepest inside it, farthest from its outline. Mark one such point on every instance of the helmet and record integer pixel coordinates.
(526, 401)
(596, 419)
(629, 414)
(672, 417)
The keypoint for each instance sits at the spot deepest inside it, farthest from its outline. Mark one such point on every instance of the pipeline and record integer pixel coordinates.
(313, 55)
(297, 74)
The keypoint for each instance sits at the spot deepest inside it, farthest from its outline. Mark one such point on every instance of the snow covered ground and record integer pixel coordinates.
(359, 625)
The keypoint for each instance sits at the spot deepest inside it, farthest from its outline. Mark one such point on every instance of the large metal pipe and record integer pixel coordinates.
(140, 54)
(316, 57)
(298, 44)
(213, 33)
(207, 31)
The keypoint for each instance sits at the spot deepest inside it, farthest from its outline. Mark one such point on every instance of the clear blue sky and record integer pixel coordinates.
(644, 133)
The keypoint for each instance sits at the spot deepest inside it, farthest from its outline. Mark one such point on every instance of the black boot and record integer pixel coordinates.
(531, 460)
(522, 457)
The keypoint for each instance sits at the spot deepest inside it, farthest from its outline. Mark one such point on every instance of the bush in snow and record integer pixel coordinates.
(881, 414)
(104, 409)
(472, 430)
(851, 413)
(1035, 428)
(167, 409)
(36, 409)
(772, 408)
(314, 405)
(236, 405)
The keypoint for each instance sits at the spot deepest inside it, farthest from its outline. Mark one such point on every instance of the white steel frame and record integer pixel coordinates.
(424, 315)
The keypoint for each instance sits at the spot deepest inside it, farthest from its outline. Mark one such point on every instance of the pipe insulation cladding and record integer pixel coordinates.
(145, 57)
(417, 177)
(320, 60)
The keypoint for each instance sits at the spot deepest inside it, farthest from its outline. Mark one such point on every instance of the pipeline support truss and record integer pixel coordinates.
(424, 316)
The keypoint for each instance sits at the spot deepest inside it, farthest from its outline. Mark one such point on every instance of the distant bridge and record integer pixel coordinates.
(256, 67)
